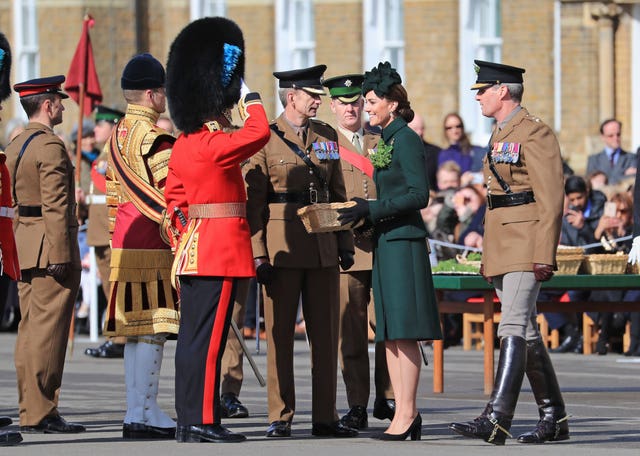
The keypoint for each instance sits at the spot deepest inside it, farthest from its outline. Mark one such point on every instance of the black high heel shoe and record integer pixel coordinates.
(415, 430)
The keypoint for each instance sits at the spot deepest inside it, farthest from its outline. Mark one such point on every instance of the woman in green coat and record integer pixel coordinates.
(405, 302)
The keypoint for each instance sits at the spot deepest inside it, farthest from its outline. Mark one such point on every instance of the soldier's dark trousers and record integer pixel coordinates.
(206, 305)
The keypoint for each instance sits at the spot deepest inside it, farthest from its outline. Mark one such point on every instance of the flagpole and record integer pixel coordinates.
(81, 93)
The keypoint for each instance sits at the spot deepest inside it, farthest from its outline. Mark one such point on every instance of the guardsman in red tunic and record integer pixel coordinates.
(142, 304)
(10, 267)
(206, 201)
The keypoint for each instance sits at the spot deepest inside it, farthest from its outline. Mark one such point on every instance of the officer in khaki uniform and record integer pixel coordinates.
(46, 230)
(98, 223)
(300, 165)
(355, 284)
(523, 172)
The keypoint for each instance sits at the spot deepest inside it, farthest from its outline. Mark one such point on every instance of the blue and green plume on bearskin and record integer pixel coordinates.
(204, 72)
(5, 68)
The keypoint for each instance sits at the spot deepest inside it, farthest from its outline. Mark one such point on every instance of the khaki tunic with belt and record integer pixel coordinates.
(516, 237)
(44, 181)
(305, 264)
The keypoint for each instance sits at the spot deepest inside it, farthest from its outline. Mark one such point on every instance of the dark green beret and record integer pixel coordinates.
(380, 79)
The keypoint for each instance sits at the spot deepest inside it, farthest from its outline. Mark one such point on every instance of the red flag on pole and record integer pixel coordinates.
(82, 75)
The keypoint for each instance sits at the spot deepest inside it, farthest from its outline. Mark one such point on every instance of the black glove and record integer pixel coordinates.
(354, 213)
(487, 278)
(58, 271)
(346, 259)
(265, 273)
(543, 272)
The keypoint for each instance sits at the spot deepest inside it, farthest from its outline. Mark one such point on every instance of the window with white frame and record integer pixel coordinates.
(206, 8)
(480, 38)
(384, 33)
(295, 35)
(25, 47)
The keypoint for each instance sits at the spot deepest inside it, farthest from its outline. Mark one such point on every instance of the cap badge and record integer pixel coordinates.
(348, 83)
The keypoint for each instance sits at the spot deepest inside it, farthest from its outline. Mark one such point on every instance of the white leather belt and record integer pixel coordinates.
(96, 199)
(6, 212)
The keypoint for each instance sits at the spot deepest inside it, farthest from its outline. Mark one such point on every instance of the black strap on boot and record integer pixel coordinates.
(494, 423)
(553, 424)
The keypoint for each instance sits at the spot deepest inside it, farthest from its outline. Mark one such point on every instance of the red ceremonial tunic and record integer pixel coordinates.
(10, 265)
(205, 168)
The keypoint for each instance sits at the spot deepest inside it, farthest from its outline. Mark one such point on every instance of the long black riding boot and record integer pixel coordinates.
(553, 424)
(493, 424)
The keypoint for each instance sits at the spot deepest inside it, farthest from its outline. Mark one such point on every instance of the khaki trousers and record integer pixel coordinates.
(319, 289)
(353, 344)
(46, 307)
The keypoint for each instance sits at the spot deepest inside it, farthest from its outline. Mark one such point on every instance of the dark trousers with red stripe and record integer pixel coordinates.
(206, 305)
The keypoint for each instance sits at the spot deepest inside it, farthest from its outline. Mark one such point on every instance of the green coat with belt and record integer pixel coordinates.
(403, 291)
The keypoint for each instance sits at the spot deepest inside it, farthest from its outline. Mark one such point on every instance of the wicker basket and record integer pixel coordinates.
(606, 264)
(323, 217)
(569, 250)
(569, 264)
(463, 260)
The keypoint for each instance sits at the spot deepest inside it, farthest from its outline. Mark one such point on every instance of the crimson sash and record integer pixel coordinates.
(357, 160)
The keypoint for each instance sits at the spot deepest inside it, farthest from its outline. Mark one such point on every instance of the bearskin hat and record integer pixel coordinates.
(204, 71)
(5, 68)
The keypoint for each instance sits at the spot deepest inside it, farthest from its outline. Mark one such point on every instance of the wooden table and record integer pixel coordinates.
(488, 307)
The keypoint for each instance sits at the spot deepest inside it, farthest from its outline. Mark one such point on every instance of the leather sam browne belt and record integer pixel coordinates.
(217, 210)
(510, 199)
(30, 211)
(296, 198)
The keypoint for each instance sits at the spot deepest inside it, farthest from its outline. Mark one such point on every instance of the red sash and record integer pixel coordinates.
(357, 160)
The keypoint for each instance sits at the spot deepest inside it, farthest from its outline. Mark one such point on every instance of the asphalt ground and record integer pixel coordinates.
(602, 395)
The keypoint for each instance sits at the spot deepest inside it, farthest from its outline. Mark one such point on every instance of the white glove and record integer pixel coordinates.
(244, 89)
(634, 254)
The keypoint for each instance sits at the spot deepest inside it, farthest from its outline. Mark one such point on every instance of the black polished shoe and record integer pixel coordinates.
(602, 347)
(279, 429)
(568, 344)
(141, 431)
(356, 418)
(53, 425)
(106, 350)
(5, 421)
(231, 407)
(197, 433)
(384, 409)
(8, 438)
(414, 430)
(492, 428)
(547, 431)
(335, 429)
(580, 346)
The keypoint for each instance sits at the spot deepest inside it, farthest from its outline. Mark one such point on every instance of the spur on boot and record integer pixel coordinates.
(414, 430)
(491, 428)
(547, 431)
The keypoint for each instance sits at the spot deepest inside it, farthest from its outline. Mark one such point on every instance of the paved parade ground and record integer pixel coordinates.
(602, 395)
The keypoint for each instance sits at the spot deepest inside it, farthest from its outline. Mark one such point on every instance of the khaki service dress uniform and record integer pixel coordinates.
(355, 292)
(46, 231)
(278, 184)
